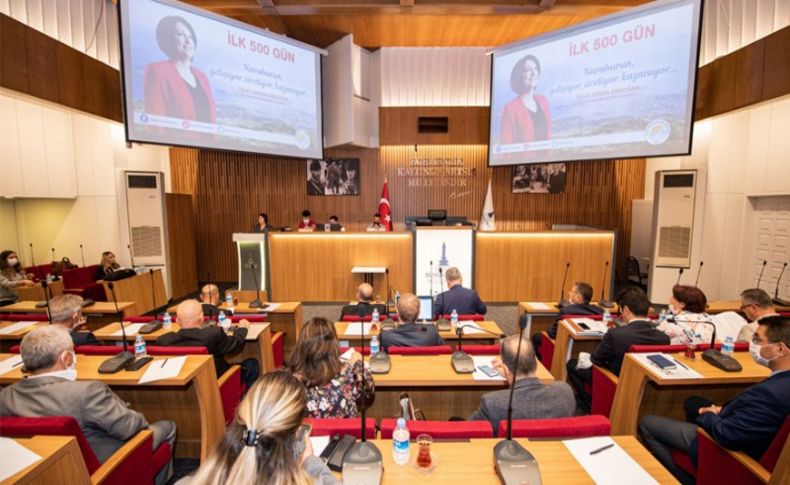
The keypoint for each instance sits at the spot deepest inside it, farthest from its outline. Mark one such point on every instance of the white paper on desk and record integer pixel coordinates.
(679, 372)
(472, 330)
(481, 360)
(130, 328)
(10, 364)
(346, 356)
(536, 305)
(254, 331)
(612, 466)
(596, 327)
(319, 443)
(15, 327)
(163, 369)
(269, 307)
(355, 328)
(14, 458)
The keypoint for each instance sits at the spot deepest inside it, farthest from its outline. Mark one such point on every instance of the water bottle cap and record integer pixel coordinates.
(401, 423)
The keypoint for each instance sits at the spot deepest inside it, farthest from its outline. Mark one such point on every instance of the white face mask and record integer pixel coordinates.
(754, 349)
(674, 310)
(306, 221)
(12, 261)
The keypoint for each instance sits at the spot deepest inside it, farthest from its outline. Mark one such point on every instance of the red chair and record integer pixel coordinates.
(80, 281)
(230, 391)
(467, 317)
(25, 317)
(669, 349)
(558, 428)
(134, 462)
(101, 349)
(441, 429)
(246, 316)
(333, 426)
(278, 350)
(40, 271)
(604, 385)
(358, 349)
(356, 318)
(175, 350)
(481, 349)
(546, 350)
(430, 350)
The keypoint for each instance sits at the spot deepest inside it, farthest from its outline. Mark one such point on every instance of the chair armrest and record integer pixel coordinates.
(124, 452)
(608, 374)
(228, 373)
(750, 464)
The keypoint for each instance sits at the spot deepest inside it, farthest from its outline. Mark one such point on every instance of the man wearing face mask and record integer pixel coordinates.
(66, 310)
(748, 423)
(306, 224)
(52, 389)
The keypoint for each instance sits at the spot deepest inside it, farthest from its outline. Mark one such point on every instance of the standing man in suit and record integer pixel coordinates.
(52, 389)
(195, 333)
(748, 423)
(531, 399)
(66, 310)
(465, 301)
(407, 333)
(638, 330)
(364, 305)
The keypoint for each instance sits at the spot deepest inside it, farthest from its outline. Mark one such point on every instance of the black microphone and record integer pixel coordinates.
(431, 281)
(124, 359)
(53, 254)
(712, 356)
(513, 463)
(154, 324)
(699, 272)
(131, 256)
(680, 273)
(462, 362)
(389, 290)
(210, 322)
(253, 267)
(32, 258)
(765, 261)
(779, 301)
(603, 301)
(475, 327)
(442, 324)
(83, 256)
(45, 286)
(563, 302)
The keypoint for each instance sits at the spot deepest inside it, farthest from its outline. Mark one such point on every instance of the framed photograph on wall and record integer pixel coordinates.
(538, 178)
(333, 176)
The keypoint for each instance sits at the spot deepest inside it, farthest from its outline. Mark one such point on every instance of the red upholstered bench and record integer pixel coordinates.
(430, 350)
(441, 429)
(559, 428)
(332, 426)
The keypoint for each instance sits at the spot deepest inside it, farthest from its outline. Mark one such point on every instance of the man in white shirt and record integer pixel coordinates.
(755, 304)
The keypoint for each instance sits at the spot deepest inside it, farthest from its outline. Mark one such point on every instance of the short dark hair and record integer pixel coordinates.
(165, 30)
(305, 213)
(517, 74)
(376, 215)
(527, 361)
(315, 165)
(585, 290)
(757, 296)
(778, 329)
(333, 218)
(693, 299)
(635, 299)
(265, 217)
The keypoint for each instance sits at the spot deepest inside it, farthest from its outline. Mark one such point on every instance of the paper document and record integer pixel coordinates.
(355, 328)
(131, 329)
(14, 458)
(481, 360)
(612, 466)
(681, 370)
(594, 327)
(346, 356)
(255, 331)
(319, 443)
(536, 305)
(163, 369)
(15, 327)
(10, 364)
(472, 330)
(269, 307)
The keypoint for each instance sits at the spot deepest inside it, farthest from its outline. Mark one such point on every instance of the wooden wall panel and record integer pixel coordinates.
(181, 241)
(467, 125)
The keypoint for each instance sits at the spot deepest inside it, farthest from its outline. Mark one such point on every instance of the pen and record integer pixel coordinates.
(163, 364)
(17, 364)
(681, 364)
(595, 452)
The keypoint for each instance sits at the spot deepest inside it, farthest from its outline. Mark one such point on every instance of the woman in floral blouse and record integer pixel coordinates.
(333, 387)
(687, 307)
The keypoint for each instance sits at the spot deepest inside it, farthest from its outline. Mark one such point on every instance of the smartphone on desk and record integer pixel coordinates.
(488, 370)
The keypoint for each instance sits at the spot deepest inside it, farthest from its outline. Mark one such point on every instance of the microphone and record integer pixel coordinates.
(712, 356)
(32, 259)
(469, 325)
(53, 254)
(699, 272)
(389, 290)
(563, 302)
(442, 324)
(210, 322)
(362, 463)
(154, 324)
(431, 279)
(603, 301)
(83, 256)
(257, 301)
(380, 362)
(514, 464)
(462, 362)
(124, 359)
(45, 285)
(131, 256)
(776, 300)
(680, 273)
(759, 278)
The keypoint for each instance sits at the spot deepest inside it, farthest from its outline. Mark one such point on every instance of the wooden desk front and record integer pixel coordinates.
(434, 386)
(259, 348)
(567, 346)
(61, 462)
(99, 314)
(538, 319)
(448, 335)
(472, 461)
(191, 400)
(37, 292)
(138, 289)
(641, 392)
(9, 340)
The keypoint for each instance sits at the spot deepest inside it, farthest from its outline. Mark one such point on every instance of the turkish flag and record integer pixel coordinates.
(384, 207)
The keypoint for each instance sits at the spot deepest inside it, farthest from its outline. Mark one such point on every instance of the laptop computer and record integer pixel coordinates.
(426, 308)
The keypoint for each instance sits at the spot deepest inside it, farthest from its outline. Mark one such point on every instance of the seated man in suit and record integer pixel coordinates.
(465, 301)
(638, 330)
(66, 310)
(52, 389)
(209, 297)
(531, 399)
(749, 422)
(407, 333)
(194, 332)
(364, 305)
(579, 298)
(756, 304)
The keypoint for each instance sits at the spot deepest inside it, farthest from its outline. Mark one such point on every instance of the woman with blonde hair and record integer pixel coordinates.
(107, 266)
(265, 444)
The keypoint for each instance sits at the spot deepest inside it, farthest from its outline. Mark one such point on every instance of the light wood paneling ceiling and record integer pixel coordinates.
(413, 23)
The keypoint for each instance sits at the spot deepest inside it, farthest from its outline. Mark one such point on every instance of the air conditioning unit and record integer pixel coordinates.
(673, 216)
(145, 206)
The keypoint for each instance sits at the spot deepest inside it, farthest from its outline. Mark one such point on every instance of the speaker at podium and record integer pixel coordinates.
(251, 248)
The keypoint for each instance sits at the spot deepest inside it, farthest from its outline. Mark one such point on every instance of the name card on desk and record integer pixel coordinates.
(536, 305)
(131, 329)
(163, 369)
(602, 464)
(354, 329)
(255, 331)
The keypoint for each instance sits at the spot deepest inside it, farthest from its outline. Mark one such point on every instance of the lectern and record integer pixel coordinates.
(251, 247)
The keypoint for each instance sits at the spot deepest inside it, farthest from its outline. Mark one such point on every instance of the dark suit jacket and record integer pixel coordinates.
(750, 421)
(610, 352)
(213, 338)
(531, 400)
(411, 335)
(463, 300)
(84, 338)
(212, 311)
(576, 309)
(368, 309)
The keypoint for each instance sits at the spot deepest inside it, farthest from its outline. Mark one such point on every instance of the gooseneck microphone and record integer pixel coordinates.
(45, 286)
(462, 362)
(779, 301)
(389, 290)
(514, 464)
(82, 253)
(211, 322)
(53, 254)
(431, 279)
(124, 359)
(442, 324)
(154, 324)
(131, 256)
(32, 257)
(254, 268)
(680, 273)
(603, 301)
(475, 327)
(712, 356)
(699, 272)
(759, 278)
(562, 301)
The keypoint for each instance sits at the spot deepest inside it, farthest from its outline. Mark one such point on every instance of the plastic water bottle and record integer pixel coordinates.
(662, 316)
(167, 321)
(607, 318)
(374, 345)
(139, 347)
(229, 301)
(400, 443)
(454, 318)
(375, 317)
(223, 321)
(728, 347)
(397, 296)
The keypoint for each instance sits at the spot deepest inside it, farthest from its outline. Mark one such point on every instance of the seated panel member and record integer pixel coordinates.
(376, 225)
(364, 304)
(107, 266)
(638, 330)
(194, 332)
(531, 399)
(51, 389)
(11, 277)
(66, 310)
(209, 297)
(687, 307)
(748, 422)
(756, 305)
(465, 301)
(334, 220)
(307, 224)
(262, 224)
(407, 333)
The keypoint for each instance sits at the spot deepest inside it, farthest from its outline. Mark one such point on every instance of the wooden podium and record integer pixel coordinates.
(251, 248)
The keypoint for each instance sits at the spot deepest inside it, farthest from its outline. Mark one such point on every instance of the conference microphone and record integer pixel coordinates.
(712, 356)
(462, 362)
(759, 278)
(32, 258)
(210, 322)
(124, 359)
(514, 464)
(45, 286)
(431, 279)
(475, 327)
(82, 253)
(154, 324)
(779, 301)
(253, 267)
(131, 256)
(389, 290)
(603, 301)
(563, 302)
(680, 273)
(699, 272)
(53, 254)
(362, 463)
(442, 324)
